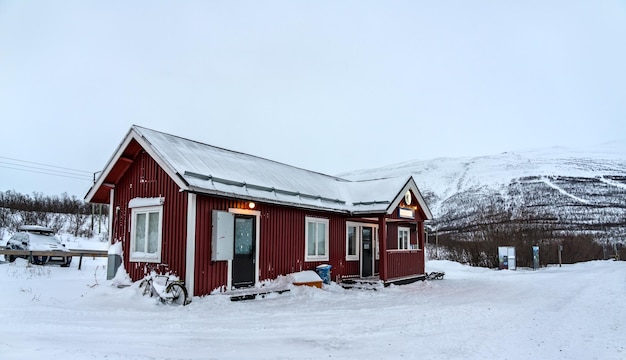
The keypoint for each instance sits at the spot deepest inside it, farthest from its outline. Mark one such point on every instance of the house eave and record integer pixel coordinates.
(410, 185)
(232, 195)
(118, 156)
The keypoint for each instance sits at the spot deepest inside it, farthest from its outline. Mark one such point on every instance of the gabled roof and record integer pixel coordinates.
(202, 168)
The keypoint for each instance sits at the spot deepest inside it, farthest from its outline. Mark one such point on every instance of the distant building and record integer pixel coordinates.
(221, 219)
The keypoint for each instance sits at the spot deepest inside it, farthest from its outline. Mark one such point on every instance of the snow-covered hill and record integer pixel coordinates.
(582, 188)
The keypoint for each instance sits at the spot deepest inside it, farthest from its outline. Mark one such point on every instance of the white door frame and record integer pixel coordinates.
(257, 215)
(359, 243)
(374, 247)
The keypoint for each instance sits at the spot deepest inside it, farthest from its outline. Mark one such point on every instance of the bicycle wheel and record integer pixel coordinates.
(178, 294)
(146, 287)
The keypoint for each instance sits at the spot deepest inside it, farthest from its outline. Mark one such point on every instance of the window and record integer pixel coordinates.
(145, 234)
(352, 242)
(316, 235)
(404, 238)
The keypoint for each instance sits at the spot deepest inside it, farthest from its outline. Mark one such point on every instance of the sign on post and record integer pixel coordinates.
(535, 257)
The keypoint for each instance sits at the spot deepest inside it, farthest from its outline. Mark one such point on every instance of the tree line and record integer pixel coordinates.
(494, 222)
(64, 212)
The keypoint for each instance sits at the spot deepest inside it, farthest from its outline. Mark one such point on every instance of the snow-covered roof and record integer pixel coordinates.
(35, 228)
(203, 168)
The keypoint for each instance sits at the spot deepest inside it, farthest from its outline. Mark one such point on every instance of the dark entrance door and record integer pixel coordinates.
(367, 251)
(245, 254)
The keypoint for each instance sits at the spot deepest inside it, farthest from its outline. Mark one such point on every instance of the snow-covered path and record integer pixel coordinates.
(573, 312)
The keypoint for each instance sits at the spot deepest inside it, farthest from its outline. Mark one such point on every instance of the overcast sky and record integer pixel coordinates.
(329, 86)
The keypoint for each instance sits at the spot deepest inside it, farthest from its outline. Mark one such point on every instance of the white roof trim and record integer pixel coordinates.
(109, 166)
(160, 160)
(204, 169)
(132, 134)
(267, 200)
(410, 185)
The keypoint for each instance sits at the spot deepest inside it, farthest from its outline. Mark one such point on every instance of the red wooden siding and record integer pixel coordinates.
(352, 268)
(282, 232)
(401, 263)
(209, 275)
(281, 245)
(145, 178)
(392, 236)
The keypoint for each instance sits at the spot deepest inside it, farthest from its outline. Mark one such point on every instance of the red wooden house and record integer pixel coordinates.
(220, 219)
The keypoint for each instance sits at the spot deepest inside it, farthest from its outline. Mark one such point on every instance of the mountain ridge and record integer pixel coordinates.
(578, 189)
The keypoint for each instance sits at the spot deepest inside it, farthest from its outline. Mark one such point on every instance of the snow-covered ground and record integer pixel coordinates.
(573, 312)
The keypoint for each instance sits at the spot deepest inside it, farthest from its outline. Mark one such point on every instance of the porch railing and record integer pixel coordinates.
(403, 263)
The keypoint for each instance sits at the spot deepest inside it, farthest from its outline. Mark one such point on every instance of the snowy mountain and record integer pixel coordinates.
(574, 190)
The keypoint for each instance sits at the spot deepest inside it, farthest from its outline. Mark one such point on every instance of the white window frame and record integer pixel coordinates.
(377, 242)
(357, 236)
(144, 256)
(416, 246)
(317, 221)
(406, 230)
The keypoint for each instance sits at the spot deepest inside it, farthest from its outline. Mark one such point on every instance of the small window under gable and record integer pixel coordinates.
(316, 239)
(146, 229)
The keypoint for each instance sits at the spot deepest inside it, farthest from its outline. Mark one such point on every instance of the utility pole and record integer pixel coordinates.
(437, 244)
(93, 206)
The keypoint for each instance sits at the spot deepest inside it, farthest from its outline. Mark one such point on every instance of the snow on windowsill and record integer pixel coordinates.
(144, 202)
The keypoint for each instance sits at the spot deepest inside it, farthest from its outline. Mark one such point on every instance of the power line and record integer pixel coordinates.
(48, 173)
(46, 165)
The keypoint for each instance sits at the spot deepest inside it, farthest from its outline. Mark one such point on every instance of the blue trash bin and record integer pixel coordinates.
(324, 272)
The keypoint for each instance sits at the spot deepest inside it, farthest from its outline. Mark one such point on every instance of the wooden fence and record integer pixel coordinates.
(73, 252)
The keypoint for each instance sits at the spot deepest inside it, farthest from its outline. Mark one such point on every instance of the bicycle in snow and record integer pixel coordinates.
(169, 289)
